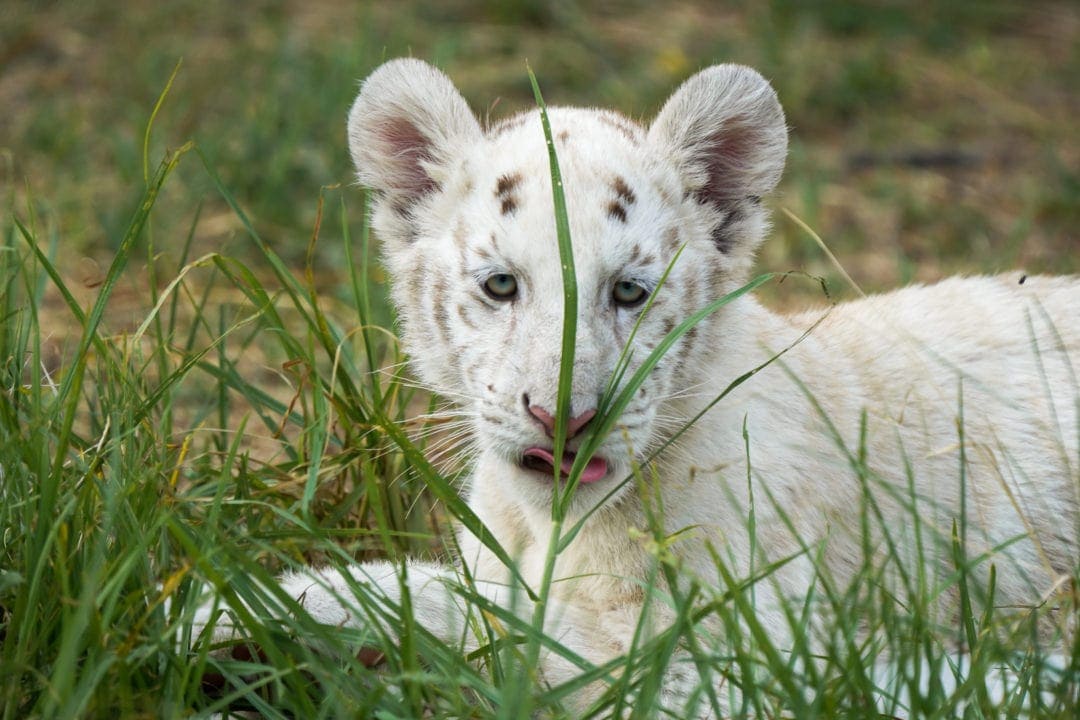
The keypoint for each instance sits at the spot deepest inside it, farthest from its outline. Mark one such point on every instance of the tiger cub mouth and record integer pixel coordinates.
(542, 460)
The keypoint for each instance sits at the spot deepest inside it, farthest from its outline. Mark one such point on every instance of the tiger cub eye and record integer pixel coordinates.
(628, 294)
(501, 286)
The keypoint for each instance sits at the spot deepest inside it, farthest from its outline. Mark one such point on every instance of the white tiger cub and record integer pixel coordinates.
(978, 369)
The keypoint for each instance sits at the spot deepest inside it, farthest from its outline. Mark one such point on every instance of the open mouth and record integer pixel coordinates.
(543, 460)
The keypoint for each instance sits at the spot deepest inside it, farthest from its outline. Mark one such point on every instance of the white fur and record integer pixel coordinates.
(905, 364)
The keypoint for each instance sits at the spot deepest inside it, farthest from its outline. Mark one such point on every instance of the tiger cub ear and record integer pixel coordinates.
(406, 125)
(725, 130)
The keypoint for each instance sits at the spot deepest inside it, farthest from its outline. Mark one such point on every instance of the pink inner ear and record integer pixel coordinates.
(406, 148)
(728, 162)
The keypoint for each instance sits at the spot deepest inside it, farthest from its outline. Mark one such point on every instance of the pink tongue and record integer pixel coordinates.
(595, 469)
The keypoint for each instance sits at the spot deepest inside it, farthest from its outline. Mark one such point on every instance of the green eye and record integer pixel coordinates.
(628, 294)
(501, 286)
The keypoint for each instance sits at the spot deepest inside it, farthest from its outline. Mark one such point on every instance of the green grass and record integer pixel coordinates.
(194, 404)
(127, 479)
(147, 466)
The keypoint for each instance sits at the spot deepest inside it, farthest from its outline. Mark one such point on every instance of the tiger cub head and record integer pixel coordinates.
(466, 217)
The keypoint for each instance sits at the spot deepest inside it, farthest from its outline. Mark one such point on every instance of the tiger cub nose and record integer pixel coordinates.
(575, 426)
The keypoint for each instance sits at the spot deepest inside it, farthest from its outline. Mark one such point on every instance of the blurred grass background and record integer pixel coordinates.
(927, 137)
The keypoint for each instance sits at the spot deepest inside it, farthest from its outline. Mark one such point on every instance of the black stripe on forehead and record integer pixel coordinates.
(505, 188)
(616, 211)
(623, 191)
(624, 197)
(507, 183)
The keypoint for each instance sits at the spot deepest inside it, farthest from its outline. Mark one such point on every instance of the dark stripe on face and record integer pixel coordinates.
(465, 319)
(717, 278)
(692, 290)
(671, 240)
(616, 211)
(690, 336)
(506, 184)
(624, 197)
(721, 235)
(438, 308)
(504, 192)
(623, 191)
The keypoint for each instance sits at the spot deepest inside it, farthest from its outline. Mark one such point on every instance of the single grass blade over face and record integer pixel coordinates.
(570, 304)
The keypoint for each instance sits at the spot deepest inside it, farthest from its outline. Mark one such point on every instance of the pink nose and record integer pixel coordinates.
(573, 427)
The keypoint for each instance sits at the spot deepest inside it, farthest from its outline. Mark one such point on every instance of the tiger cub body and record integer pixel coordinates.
(920, 400)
